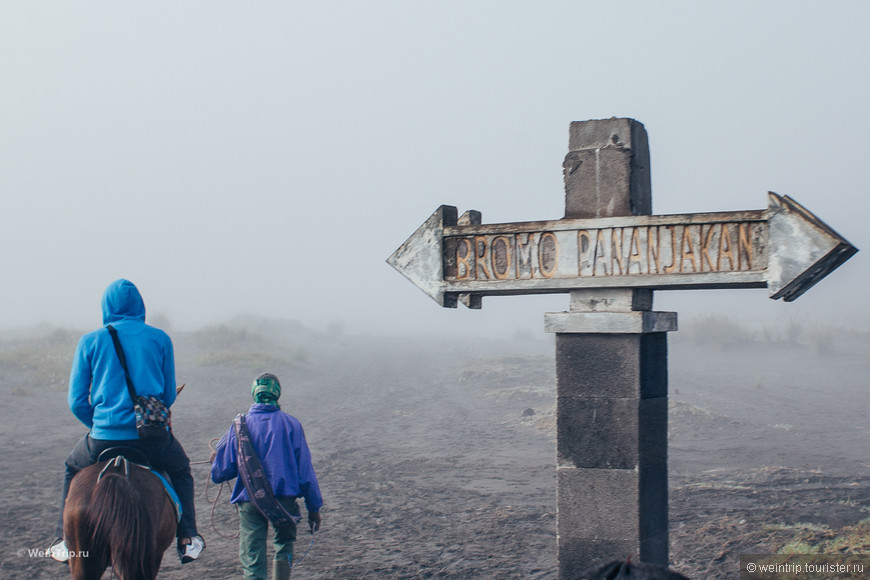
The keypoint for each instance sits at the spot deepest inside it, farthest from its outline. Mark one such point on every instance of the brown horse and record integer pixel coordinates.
(117, 513)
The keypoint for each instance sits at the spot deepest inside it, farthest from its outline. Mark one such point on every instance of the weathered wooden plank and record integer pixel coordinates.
(784, 248)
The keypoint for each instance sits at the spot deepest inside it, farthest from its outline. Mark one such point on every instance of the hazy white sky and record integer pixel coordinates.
(268, 157)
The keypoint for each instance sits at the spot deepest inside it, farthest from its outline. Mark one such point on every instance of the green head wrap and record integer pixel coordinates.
(266, 389)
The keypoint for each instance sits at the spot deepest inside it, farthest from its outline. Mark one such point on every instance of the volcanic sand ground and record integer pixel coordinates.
(428, 466)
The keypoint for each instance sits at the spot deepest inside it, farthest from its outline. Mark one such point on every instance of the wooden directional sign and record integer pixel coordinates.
(784, 248)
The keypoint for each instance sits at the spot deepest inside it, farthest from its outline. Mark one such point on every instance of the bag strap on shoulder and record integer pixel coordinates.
(253, 477)
(123, 360)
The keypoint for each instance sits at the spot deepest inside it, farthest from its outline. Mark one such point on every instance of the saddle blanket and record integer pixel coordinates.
(170, 491)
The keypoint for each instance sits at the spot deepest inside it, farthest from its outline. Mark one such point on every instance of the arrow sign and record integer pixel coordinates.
(784, 248)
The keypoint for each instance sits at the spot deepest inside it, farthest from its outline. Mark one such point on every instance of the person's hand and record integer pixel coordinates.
(314, 521)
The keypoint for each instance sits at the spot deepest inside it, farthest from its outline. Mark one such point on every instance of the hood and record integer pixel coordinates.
(122, 301)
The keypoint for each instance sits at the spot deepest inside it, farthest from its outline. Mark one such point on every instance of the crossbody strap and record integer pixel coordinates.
(254, 479)
(123, 360)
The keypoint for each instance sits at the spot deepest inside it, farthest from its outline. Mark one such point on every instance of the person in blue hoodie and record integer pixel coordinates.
(99, 398)
(279, 443)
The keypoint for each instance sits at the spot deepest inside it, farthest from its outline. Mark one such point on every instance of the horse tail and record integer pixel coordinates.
(121, 522)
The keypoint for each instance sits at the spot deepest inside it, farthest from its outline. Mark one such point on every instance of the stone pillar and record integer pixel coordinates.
(611, 375)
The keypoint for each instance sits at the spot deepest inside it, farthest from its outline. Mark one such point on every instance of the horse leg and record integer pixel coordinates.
(87, 568)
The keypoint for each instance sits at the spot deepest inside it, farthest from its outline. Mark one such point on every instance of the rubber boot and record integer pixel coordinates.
(280, 570)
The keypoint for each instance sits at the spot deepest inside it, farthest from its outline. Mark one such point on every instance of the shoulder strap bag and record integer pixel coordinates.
(152, 414)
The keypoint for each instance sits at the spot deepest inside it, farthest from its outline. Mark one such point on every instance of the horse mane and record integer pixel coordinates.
(121, 523)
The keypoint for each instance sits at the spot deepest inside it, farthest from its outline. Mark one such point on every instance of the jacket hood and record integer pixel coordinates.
(122, 301)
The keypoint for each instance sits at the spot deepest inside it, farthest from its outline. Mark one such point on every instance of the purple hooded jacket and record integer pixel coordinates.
(280, 444)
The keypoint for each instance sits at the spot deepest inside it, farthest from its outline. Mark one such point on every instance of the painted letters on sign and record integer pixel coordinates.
(621, 250)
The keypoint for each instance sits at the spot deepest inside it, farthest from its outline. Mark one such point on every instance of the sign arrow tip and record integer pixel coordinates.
(420, 258)
(803, 248)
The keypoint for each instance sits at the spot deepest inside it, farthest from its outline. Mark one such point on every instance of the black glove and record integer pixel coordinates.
(314, 521)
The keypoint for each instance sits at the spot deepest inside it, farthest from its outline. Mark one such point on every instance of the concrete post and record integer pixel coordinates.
(611, 375)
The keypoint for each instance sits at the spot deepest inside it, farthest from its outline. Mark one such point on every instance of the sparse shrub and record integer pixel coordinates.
(719, 331)
(224, 337)
(160, 321)
(44, 358)
(815, 539)
(523, 333)
(252, 361)
(794, 330)
(335, 328)
(299, 354)
(823, 342)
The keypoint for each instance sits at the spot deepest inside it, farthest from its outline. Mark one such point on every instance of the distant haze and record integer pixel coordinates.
(267, 158)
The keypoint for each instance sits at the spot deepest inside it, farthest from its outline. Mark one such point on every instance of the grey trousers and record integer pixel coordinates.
(253, 529)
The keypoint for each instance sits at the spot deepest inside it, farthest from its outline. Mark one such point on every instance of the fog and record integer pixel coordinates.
(236, 159)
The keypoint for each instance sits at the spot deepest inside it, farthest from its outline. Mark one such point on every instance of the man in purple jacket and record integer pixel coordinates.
(279, 442)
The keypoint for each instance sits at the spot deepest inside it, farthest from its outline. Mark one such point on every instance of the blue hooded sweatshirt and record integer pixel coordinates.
(98, 394)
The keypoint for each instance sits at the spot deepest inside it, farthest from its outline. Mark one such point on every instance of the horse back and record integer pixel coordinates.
(117, 514)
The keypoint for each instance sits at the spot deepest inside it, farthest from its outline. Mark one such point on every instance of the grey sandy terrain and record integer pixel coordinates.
(437, 457)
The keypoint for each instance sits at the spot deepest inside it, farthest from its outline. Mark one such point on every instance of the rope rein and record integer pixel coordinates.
(214, 502)
(299, 561)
